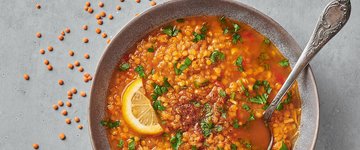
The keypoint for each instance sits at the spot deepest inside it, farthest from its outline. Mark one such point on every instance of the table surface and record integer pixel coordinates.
(26, 112)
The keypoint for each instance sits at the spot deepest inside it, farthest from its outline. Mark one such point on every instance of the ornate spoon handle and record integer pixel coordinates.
(334, 17)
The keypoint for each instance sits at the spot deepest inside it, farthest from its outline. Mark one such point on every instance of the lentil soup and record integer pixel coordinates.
(200, 83)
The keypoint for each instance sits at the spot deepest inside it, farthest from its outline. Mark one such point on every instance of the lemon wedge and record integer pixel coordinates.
(137, 110)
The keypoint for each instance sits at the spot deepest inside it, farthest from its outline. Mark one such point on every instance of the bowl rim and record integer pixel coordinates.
(308, 69)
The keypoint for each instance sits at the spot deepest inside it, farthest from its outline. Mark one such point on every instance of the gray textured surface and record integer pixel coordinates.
(25, 109)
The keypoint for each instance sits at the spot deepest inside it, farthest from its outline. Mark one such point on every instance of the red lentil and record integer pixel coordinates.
(42, 51)
(62, 136)
(38, 34)
(71, 53)
(87, 4)
(73, 90)
(60, 103)
(61, 82)
(50, 48)
(118, 7)
(85, 40)
(46, 62)
(100, 22)
(67, 30)
(102, 14)
(61, 37)
(81, 69)
(83, 94)
(152, 3)
(90, 10)
(138, 1)
(80, 127)
(86, 56)
(26, 77)
(98, 31)
(68, 104)
(35, 146)
(70, 66)
(55, 107)
(76, 119)
(84, 27)
(101, 4)
(68, 121)
(77, 63)
(49, 67)
(64, 112)
(38, 6)
(104, 35)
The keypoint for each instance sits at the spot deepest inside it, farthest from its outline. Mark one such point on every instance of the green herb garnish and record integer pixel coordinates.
(131, 145)
(124, 67)
(193, 147)
(176, 140)
(140, 70)
(120, 144)
(218, 128)
(280, 107)
(245, 90)
(182, 67)
(246, 107)
(283, 146)
(158, 106)
(232, 95)
(198, 37)
(222, 93)
(236, 27)
(236, 37)
(222, 19)
(260, 99)
(252, 117)
(151, 49)
(110, 124)
(171, 31)
(181, 20)
(284, 63)
(226, 30)
(239, 62)
(288, 98)
(267, 41)
(233, 147)
(236, 124)
(216, 55)
(206, 124)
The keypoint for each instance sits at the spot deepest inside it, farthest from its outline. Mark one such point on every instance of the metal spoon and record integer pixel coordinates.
(333, 18)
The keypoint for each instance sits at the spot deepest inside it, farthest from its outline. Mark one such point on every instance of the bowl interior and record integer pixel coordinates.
(159, 15)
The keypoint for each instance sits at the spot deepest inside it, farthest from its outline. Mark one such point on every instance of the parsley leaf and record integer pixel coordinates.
(218, 128)
(267, 41)
(236, 124)
(124, 67)
(248, 145)
(226, 30)
(171, 31)
(140, 70)
(206, 125)
(260, 99)
(232, 95)
(284, 63)
(216, 55)
(239, 62)
(288, 98)
(198, 37)
(110, 124)
(245, 90)
(280, 107)
(236, 37)
(222, 19)
(131, 144)
(236, 27)
(283, 146)
(181, 20)
(120, 144)
(193, 147)
(176, 140)
(252, 117)
(151, 49)
(233, 147)
(158, 106)
(187, 63)
(222, 93)
(246, 107)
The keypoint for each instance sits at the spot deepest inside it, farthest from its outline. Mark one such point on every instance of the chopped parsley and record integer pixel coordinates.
(171, 31)
(260, 99)
(267, 41)
(193, 147)
(283, 146)
(176, 140)
(236, 37)
(158, 106)
(246, 107)
(236, 27)
(223, 112)
(222, 93)
(110, 124)
(124, 67)
(284, 63)
(195, 103)
(288, 98)
(248, 145)
(233, 147)
(151, 49)
(232, 95)
(236, 124)
(152, 71)
(120, 144)
(280, 106)
(222, 19)
(206, 124)
(265, 106)
(245, 90)
(239, 64)
(226, 30)
(216, 55)
(218, 128)
(140, 70)
(198, 37)
(187, 63)
(131, 145)
(181, 20)
(198, 84)
(252, 117)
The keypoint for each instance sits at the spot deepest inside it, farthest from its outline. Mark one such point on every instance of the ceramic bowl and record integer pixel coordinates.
(156, 16)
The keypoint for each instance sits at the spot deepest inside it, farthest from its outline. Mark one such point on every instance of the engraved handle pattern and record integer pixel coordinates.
(334, 17)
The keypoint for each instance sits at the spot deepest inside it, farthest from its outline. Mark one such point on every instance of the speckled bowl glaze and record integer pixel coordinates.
(161, 14)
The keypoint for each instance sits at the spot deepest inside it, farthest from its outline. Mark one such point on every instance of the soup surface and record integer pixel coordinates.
(200, 83)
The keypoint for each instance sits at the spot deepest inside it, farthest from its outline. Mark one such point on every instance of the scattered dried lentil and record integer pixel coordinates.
(73, 90)
(64, 112)
(61, 82)
(38, 6)
(84, 27)
(81, 69)
(62, 136)
(67, 30)
(118, 7)
(111, 16)
(100, 22)
(49, 67)
(60, 103)
(71, 52)
(76, 119)
(70, 66)
(83, 94)
(46, 62)
(42, 51)
(68, 104)
(50, 48)
(86, 56)
(98, 31)
(26, 77)
(138, 1)
(101, 4)
(104, 35)
(61, 37)
(35, 146)
(85, 40)
(152, 3)
(77, 63)
(90, 10)
(68, 121)
(55, 107)
(38, 34)
(80, 127)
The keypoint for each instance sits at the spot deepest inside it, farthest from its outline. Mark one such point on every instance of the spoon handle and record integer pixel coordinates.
(333, 18)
